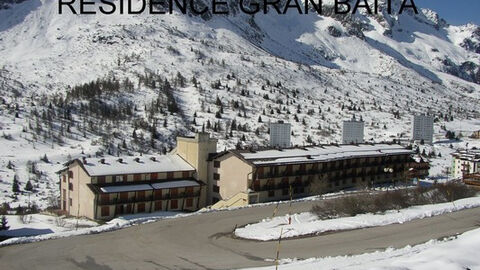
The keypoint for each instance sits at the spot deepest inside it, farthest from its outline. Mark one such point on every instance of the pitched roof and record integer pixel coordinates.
(133, 165)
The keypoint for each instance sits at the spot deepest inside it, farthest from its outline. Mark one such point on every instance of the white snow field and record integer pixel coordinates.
(454, 253)
(309, 224)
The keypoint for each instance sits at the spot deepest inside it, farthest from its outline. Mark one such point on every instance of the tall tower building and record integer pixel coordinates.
(423, 128)
(280, 134)
(353, 131)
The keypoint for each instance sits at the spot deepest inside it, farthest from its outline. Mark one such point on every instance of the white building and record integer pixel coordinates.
(280, 134)
(353, 131)
(423, 128)
(465, 162)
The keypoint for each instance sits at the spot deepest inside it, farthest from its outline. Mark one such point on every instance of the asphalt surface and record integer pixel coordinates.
(205, 242)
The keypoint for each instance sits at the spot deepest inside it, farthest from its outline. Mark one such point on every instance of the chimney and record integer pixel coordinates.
(137, 160)
(153, 159)
(102, 161)
(84, 160)
(120, 160)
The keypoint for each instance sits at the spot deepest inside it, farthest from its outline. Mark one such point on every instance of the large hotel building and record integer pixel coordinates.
(194, 175)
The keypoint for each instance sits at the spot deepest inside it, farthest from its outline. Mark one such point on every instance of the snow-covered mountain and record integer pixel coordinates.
(128, 84)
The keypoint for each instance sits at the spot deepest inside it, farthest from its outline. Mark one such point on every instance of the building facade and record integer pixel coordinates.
(423, 128)
(280, 134)
(465, 162)
(278, 174)
(353, 132)
(101, 188)
(194, 175)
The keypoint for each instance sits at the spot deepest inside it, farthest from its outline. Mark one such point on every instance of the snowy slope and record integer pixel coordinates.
(289, 67)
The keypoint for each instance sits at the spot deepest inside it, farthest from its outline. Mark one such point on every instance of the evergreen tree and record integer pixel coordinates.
(4, 224)
(15, 186)
(29, 186)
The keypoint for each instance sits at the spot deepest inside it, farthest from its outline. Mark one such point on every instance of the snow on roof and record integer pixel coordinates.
(175, 184)
(321, 153)
(114, 189)
(133, 165)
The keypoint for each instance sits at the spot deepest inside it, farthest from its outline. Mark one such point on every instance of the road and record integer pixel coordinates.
(204, 242)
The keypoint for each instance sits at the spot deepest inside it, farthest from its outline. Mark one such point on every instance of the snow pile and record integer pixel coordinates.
(454, 253)
(307, 223)
(52, 232)
(37, 224)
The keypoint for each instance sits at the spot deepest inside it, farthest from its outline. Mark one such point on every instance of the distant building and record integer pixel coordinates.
(475, 135)
(353, 131)
(423, 128)
(280, 134)
(465, 162)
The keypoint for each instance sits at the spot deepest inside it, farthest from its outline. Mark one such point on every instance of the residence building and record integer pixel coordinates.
(465, 162)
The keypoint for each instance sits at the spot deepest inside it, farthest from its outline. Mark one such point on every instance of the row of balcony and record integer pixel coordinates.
(397, 168)
(149, 198)
(333, 179)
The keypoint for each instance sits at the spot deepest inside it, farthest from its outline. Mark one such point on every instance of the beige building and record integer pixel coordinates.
(101, 188)
(277, 174)
(194, 175)
(465, 162)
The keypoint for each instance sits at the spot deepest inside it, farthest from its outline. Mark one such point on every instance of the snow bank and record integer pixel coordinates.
(454, 253)
(115, 224)
(308, 223)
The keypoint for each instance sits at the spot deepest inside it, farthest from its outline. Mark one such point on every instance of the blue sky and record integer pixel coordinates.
(455, 12)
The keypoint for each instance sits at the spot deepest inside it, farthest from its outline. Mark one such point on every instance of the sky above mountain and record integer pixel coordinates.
(456, 12)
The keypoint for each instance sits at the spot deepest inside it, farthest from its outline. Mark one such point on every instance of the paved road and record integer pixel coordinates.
(204, 242)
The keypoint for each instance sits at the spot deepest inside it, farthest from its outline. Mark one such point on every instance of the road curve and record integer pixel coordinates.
(204, 242)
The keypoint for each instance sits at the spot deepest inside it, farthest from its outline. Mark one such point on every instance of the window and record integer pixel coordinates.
(125, 178)
(64, 192)
(189, 191)
(170, 175)
(137, 177)
(141, 207)
(216, 176)
(158, 194)
(174, 192)
(64, 177)
(260, 172)
(189, 202)
(186, 174)
(153, 176)
(158, 205)
(105, 211)
(101, 179)
(141, 195)
(124, 196)
(216, 189)
(174, 204)
(70, 174)
(216, 164)
(104, 198)
(70, 186)
(70, 201)
(256, 185)
(271, 193)
(289, 169)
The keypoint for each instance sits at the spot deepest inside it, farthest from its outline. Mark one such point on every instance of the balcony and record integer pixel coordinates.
(149, 198)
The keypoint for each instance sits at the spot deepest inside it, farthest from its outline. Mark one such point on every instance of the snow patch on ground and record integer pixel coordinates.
(307, 223)
(453, 253)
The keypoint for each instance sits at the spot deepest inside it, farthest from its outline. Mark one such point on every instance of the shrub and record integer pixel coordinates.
(391, 200)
